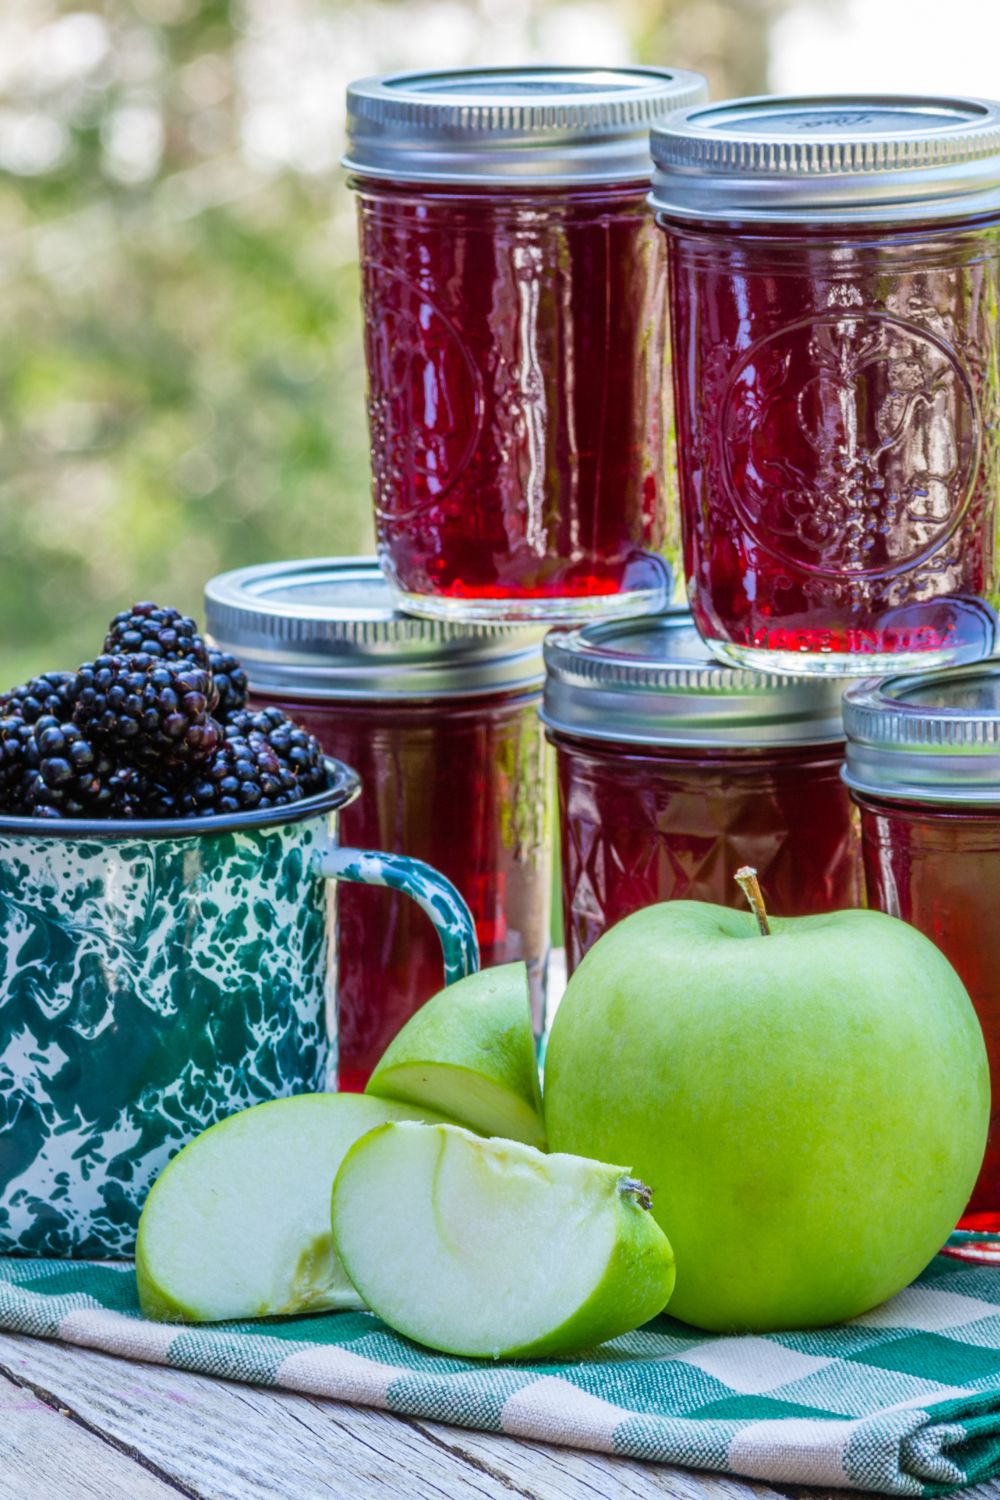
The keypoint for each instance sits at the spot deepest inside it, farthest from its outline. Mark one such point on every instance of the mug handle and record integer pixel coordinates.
(430, 889)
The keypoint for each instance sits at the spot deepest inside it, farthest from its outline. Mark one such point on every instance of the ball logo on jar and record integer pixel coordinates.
(425, 398)
(851, 444)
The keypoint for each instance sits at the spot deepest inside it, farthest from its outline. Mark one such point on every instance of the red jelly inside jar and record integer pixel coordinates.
(514, 296)
(836, 377)
(675, 771)
(441, 723)
(924, 767)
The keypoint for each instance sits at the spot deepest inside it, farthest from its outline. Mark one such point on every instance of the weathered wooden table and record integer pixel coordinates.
(78, 1425)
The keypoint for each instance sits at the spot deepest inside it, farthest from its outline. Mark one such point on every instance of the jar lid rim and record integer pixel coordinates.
(544, 125)
(901, 709)
(329, 627)
(832, 157)
(652, 680)
(928, 736)
(526, 87)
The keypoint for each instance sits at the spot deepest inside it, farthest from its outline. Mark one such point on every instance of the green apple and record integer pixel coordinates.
(238, 1224)
(809, 1102)
(469, 1053)
(489, 1247)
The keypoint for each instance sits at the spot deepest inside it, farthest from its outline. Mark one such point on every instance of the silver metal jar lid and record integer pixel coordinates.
(651, 681)
(829, 159)
(932, 738)
(543, 126)
(326, 627)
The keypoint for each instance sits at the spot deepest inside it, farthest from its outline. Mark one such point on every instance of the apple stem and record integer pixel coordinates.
(638, 1190)
(746, 879)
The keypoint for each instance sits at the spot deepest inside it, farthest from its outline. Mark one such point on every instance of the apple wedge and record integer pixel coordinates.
(469, 1053)
(238, 1224)
(491, 1248)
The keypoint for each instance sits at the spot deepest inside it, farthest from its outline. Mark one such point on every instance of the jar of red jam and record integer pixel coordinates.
(835, 279)
(675, 770)
(923, 764)
(514, 295)
(441, 722)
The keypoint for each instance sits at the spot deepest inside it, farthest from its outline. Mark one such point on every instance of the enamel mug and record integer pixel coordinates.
(158, 976)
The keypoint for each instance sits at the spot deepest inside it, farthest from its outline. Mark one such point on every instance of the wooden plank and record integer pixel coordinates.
(546, 1472)
(46, 1455)
(224, 1441)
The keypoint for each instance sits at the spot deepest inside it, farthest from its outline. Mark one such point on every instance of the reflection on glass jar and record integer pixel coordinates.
(442, 722)
(514, 290)
(465, 777)
(674, 771)
(837, 381)
(923, 763)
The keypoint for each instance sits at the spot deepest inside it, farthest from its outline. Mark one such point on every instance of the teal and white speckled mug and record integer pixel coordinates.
(155, 977)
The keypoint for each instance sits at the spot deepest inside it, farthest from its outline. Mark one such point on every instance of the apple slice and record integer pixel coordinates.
(489, 1247)
(238, 1224)
(470, 1054)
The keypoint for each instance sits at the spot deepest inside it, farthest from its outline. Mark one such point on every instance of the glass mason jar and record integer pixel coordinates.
(514, 297)
(923, 765)
(441, 723)
(835, 285)
(674, 771)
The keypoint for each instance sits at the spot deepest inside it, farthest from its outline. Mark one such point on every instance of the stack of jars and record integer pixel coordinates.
(824, 457)
(514, 290)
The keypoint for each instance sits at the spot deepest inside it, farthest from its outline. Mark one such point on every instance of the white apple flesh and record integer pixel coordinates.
(491, 1248)
(238, 1224)
(469, 1053)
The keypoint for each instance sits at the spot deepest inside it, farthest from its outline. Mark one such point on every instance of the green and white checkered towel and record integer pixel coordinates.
(905, 1400)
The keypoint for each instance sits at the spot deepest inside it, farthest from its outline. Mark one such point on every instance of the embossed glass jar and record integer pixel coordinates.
(514, 292)
(674, 771)
(923, 763)
(835, 283)
(441, 723)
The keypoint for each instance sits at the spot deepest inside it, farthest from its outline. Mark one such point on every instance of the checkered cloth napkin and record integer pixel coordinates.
(905, 1400)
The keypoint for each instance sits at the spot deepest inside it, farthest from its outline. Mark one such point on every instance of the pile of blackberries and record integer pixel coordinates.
(155, 727)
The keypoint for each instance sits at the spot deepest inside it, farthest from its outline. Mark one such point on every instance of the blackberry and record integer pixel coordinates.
(149, 629)
(134, 794)
(18, 756)
(65, 775)
(295, 747)
(52, 693)
(244, 773)
(230, 682)
(147, 711)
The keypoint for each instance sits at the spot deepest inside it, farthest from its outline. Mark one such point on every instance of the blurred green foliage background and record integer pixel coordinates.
(181, 382)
